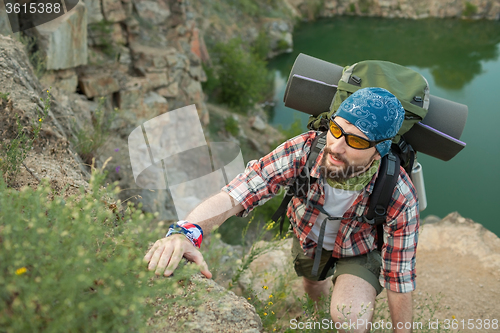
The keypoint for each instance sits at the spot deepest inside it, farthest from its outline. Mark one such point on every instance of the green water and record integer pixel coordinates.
(460, 59)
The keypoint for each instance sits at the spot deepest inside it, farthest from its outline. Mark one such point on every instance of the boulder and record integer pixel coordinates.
(155, 80)
(113, 10)
(153, 12)
(151, 59)
(170, 91)
(272, 272)
(65, 80)
(64, 39)
(465, 237)
(99, 84)
(94, 11)
(221, 311)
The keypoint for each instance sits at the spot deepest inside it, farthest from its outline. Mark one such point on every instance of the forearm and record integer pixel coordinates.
(214, 211)
(401, 307)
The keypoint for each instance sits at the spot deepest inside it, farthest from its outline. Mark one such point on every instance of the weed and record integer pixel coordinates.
(35, 55)
(102, 37)
(15, 150)
(90, 138)
(4, 96)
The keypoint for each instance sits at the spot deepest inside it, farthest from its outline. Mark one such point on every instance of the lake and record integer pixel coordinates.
(460, 60)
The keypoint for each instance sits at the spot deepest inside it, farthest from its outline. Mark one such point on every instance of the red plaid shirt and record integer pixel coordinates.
(264, 178)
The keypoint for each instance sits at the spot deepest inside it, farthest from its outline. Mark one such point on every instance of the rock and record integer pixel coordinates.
(155, 80)
(153, 12)
(93, 85)
(113, 10)
(258, 123)
(151, 59)
(64, 39)
(463, 236)
(280, 33)
(198, 46)
(94, 11)
(65, 80)
(221, 312)
(25, 94)
(271, 269)
(171, 91)
(156, 102)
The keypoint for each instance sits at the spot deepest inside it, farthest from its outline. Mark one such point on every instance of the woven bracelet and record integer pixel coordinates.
(192, 231)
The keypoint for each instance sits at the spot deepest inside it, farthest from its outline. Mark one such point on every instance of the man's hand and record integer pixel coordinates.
(166, 253)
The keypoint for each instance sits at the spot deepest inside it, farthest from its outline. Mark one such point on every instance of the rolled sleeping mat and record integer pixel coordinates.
(312, 85)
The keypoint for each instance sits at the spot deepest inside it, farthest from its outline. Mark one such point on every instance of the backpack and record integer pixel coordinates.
(412, 90)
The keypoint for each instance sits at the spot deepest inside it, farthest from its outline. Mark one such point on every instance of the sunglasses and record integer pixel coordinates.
(352, 140)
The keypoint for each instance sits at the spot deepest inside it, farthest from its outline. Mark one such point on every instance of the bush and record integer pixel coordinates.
(231, 126)
(74, 264)
(242, 76)
(470, 9)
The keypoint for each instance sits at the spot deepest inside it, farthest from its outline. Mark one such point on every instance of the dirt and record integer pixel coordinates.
(468, 290)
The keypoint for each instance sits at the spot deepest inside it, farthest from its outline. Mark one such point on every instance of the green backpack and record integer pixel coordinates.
(408, 86)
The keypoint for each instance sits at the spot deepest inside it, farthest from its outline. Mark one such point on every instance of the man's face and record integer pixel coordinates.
(341, 161)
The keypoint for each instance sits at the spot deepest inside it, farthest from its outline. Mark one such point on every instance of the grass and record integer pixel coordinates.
(35, 55)
(90, 138)
(15, 150)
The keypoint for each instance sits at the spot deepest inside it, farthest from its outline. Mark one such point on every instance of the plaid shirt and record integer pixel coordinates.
(263, 179)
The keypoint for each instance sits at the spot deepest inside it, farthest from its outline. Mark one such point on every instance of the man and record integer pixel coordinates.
(360, 134)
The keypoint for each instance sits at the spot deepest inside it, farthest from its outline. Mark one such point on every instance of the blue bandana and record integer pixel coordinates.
(375, 112)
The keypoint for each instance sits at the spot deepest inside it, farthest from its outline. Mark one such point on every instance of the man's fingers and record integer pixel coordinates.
(196, 257)
(164, 258)
(175, 259)
(150, 253)
(157, 254)
(166, 254)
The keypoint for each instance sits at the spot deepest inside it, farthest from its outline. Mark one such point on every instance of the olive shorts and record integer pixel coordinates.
(366, 266)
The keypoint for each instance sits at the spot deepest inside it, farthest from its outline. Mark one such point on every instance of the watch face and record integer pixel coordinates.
(24, 15)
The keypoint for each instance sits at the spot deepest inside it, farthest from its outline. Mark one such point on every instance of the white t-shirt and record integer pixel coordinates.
(337, 202)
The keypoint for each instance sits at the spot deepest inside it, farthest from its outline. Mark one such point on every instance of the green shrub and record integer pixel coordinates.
(242, 76)
(75, 264)
(231, 126)
(261, 45)
(470, 9)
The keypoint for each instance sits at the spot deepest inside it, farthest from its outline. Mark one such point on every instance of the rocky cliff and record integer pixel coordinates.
(474, 9)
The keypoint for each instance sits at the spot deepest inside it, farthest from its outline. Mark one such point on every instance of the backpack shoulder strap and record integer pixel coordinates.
(302, 183)
(382, 194)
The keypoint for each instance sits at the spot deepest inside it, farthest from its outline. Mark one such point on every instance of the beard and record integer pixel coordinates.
(342, 173)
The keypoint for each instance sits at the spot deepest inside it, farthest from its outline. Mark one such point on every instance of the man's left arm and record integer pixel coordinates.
(401, 307)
